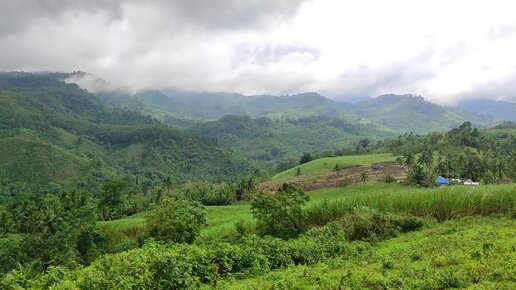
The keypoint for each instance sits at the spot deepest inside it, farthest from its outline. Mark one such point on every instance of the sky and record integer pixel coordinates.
(446, 51)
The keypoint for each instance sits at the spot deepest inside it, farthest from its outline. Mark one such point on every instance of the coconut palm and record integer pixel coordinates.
(409, 159)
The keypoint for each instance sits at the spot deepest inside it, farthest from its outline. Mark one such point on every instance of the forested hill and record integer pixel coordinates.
(407, 113)
(394, 113)
(53, 132)
(495, 109)
(269, 141)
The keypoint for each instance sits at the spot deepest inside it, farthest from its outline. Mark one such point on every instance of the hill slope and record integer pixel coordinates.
(54, 132)
(495, 109)
(407, 113)
(269, 141)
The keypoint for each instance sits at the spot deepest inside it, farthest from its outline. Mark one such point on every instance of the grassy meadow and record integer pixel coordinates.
(327, 164)
(329, 204)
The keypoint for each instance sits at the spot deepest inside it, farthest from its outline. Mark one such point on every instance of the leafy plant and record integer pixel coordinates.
(177, 219)
(280, 214)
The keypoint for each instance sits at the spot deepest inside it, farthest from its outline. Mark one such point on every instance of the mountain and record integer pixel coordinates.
(212, 106)
(269, 141)
(393, 113)
(495, 109)
(407, 113)
(52, 132)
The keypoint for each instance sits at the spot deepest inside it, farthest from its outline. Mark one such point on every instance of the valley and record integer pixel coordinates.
(176, 190)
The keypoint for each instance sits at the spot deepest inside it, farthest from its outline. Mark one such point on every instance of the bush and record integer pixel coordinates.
(346, 181)
(369, 224)
(177, 219)
(182, 266)
(280, 214)
(390, 179)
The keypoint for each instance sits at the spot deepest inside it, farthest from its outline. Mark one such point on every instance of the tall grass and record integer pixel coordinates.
(439, 203)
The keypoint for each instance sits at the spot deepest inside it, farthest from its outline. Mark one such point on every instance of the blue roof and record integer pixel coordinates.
(441, 180)
(376, 166)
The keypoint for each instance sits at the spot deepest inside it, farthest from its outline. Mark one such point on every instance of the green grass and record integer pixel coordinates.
(222, 219)
(473, 253)
(122, 232)
(327, 164)
(439, 203)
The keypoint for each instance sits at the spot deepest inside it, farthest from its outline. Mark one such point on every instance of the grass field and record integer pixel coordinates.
(122, 232)
(330, 204)
(324, 165)
(473, 253)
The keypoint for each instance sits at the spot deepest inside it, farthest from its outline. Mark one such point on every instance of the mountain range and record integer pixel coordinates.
(53, 131)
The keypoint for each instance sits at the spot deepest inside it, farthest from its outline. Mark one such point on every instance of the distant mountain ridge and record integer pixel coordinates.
(408, 113)
(394, 113)
(495, 109)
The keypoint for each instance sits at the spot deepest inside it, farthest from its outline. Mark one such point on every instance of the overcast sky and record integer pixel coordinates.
(443, 50)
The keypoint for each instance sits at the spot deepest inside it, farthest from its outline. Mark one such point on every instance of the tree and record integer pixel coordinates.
(168, 184)
(244, 188)
(111, 199)
(364, 176)
(297, 172)
(307, 157)
(418, 176)
(408, 159)
(337, 169)
(177, 219)
(426, 159)
(364, 142)
(281, 214)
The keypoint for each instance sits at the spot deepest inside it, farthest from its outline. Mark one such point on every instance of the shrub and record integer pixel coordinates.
(346, 181)
(369, 224)
(280, 214)
(177, 219)
(390, 179)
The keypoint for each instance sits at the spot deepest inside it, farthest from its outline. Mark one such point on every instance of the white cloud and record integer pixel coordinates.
(444, 50)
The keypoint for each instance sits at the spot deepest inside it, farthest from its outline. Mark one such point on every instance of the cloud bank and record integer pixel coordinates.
(444, 50)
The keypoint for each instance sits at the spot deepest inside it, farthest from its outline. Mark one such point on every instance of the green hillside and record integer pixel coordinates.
(270, 140)
(324, 165)
(409, 113)
(54, 132)
(395, 113)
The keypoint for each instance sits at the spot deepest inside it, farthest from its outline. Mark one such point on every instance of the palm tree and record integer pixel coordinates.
(418, 176)
(472, 169)
(499, 168)
(426, 159)
(408, 159)
(168, 184)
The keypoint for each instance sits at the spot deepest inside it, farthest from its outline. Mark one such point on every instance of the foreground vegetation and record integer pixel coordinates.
(473, 252)
(476, 250)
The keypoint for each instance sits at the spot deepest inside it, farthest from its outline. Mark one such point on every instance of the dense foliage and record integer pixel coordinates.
(40, 231)
(177, 220)
(280, 214)
(53, 132)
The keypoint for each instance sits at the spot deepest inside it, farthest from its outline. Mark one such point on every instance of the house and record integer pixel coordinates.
(469, 182)
(442, 181)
